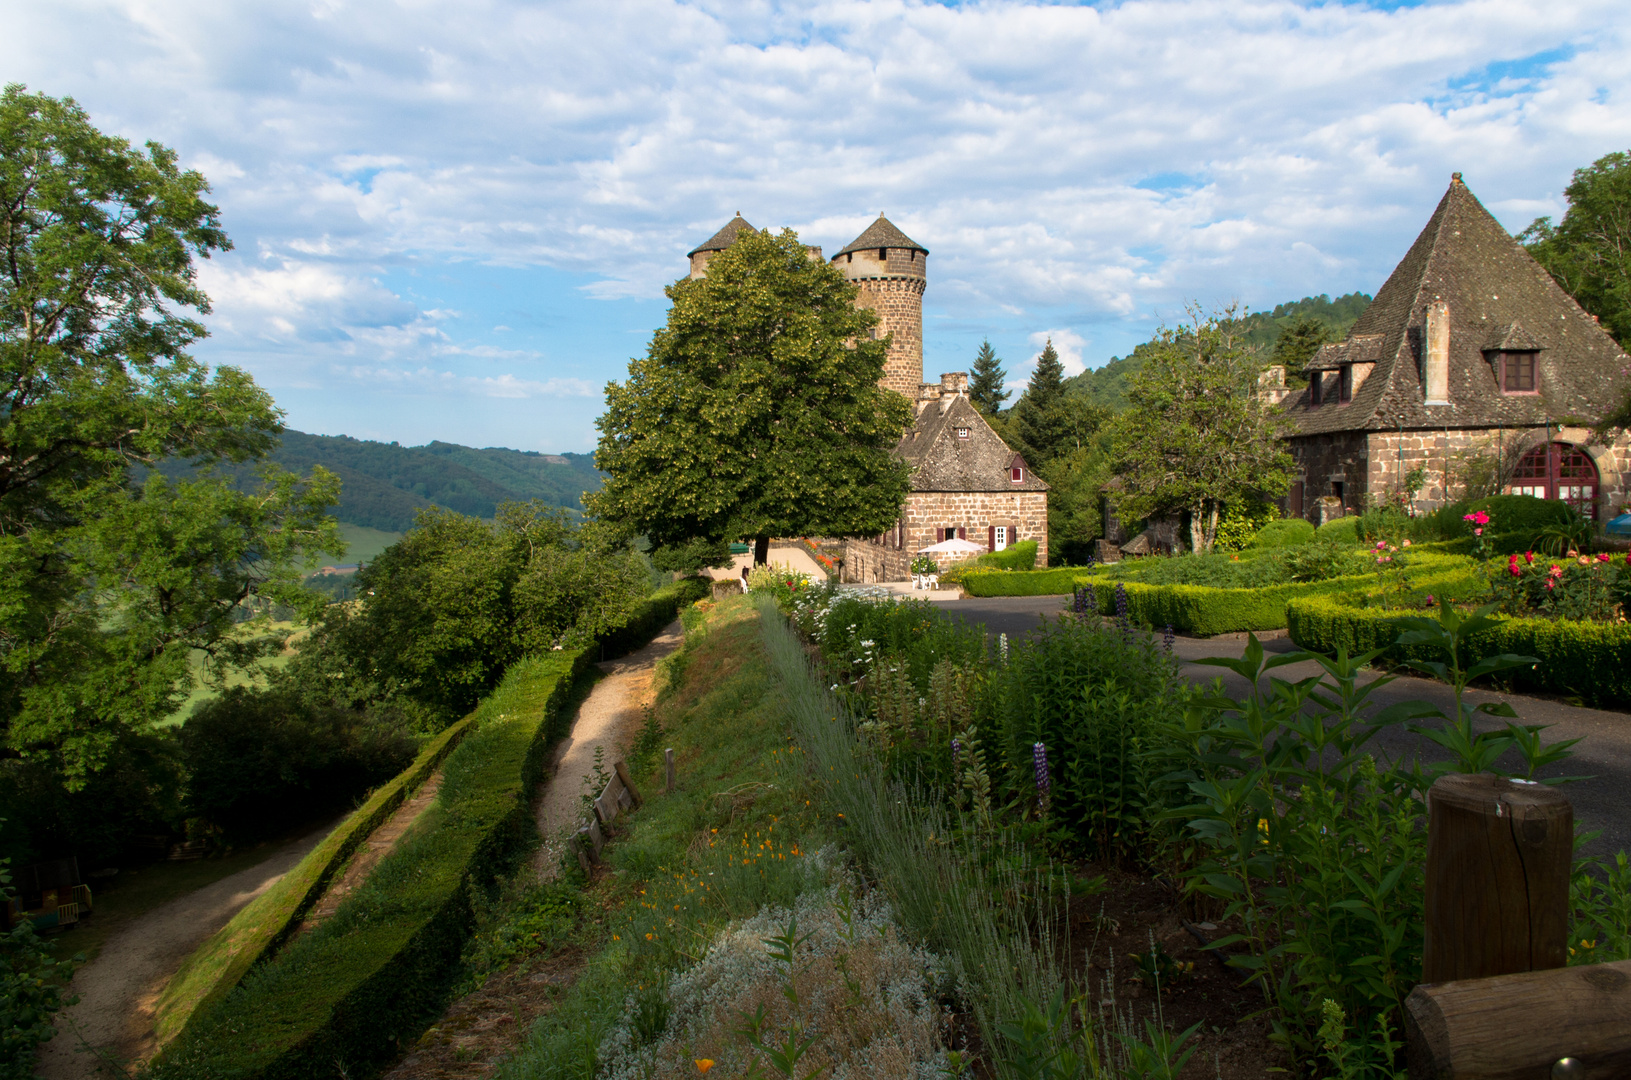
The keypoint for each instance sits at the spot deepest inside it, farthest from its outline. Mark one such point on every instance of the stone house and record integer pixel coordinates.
(1470, 354)
(966, 482)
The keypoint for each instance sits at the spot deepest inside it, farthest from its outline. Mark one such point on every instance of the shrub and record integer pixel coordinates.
(262, 761)
(31, 991)
(1241, 522)
(651, 615)
(1213, 571)
(1286, 533)
(368, 977)
(1059, 580)
(1018, 556)
(1591, 661)
(1342, 531)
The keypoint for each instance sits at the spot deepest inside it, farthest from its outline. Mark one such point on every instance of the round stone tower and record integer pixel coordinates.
(891, 270)
(719, 241)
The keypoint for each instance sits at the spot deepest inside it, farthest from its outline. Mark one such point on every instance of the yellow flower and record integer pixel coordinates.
(704, 1064)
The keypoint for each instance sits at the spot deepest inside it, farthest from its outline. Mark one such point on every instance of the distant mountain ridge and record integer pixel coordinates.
(1107, 386)
(385, 484)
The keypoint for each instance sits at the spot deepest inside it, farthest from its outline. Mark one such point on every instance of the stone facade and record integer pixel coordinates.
(892, 280)
(929, 514)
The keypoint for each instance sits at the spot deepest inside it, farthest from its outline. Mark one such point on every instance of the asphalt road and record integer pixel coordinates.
(1601, 802)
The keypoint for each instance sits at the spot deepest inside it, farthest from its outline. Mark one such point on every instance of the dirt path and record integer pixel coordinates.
(376, 847)
(610, 717)
(485, 1026)
(118, 989)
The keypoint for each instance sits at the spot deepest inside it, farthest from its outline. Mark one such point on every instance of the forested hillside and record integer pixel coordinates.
(1289, 334)
(387, 484)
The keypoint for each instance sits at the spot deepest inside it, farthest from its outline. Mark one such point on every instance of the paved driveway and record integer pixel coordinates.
(1601, 802)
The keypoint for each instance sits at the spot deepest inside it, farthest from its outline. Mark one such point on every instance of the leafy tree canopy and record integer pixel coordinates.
(756, 411)
(108, 580)
(986, 381)
(1589, 251)
(1196, 434)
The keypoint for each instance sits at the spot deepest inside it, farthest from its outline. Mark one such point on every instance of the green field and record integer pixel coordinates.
(203, 691)
(363, 544)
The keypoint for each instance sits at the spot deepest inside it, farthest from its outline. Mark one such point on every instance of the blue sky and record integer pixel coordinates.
(454, 221)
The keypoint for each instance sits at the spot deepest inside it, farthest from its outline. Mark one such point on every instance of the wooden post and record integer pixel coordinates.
(622, 771)
(668, 771)
(1562, 1024)
(1498, 859)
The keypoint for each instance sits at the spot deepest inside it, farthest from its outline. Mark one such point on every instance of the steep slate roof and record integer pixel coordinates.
(1498, 296)
(882, 234)
(943, 462)
(725, 237)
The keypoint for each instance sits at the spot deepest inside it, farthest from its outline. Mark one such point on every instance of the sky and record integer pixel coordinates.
(455, 220)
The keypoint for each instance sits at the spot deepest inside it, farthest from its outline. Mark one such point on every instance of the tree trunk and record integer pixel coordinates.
(1197, 534)
(1212, 528)
(761, 550)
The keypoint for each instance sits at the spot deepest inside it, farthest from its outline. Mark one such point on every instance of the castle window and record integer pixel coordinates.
(883, 254)
(849, 257)
(962, 432)
(1017, 474)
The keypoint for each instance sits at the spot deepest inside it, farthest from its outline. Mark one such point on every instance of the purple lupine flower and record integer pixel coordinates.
(1167, 637)
(1121, 600)
(1039, 755)
(1091, 595)
(956, 755)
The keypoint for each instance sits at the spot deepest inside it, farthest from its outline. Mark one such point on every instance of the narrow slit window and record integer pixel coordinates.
(1345, 383)
(1316, 383)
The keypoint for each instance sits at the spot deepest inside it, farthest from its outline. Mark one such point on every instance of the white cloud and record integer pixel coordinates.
(1074, 165)
(1067, 343)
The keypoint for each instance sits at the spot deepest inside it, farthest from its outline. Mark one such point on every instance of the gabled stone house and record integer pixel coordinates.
(1470, 348)
(966, 482)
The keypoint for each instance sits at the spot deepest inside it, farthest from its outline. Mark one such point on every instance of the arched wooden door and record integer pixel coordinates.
(1559, 470)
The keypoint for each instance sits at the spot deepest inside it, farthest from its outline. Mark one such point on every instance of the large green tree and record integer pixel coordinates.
(756, 411)
(1038, 420)
(1297, 344)
(1589, 251)
(1196, 434)
(110, 575)
(986, 381)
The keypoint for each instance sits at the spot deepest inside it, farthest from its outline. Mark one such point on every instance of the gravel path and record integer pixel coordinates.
(610, 717)
(118, 989)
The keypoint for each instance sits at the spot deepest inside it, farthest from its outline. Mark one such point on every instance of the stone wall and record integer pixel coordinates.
(899, 304)
(888, 558)
(1377, 461)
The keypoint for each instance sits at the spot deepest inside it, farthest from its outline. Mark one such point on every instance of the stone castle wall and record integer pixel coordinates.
(889, 558)
(899, 304)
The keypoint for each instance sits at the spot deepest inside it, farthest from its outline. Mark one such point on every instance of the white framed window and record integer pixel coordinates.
(963, 432)
(1017, 474)
(999, 537)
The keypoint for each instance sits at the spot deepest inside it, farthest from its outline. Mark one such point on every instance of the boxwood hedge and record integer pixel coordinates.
(980, 582)
(347, 995)
(655, 612)
(1588, 660)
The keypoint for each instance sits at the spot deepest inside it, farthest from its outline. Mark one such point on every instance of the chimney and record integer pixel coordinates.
(1436, 372)
(953, 383)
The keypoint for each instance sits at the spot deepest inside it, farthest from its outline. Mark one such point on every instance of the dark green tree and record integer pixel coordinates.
(1297, 345)
(756, 411)
(109, 579)
(1589, 251)
(1196, 434)
(986, 381)
(1040, 422)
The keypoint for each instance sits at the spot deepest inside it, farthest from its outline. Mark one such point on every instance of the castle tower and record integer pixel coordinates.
(891, 270)
(720, 240)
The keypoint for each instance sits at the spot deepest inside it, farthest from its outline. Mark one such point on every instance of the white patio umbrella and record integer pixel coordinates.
(954, 546)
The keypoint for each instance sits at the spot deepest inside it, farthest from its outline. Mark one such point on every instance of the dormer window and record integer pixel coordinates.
(1017, 474)
(1316, 384)
(1345, 384)
(1515, 371)
(963, 432)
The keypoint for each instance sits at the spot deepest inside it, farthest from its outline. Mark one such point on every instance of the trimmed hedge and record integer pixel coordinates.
(1285, 533)
(1343, 530)
(1018, 556)
(980, 582)
(262, 927)
(655, 612)
(1579, 659)
(364, 982)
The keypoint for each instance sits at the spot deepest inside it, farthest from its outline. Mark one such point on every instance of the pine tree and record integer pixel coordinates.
(1039, 421)
(985, 388)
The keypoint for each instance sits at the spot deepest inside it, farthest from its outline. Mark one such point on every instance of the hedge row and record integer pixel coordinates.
(981, 582)
(1017, 556)
(263, 926)
(655, 612)
(352, 992)
(1588, 660)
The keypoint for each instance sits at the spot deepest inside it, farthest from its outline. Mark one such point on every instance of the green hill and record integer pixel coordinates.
(1106, 386)
(387, 484)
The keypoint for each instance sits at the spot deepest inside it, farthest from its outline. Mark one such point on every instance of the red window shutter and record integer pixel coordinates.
(991, 538)
(962, 533)
(939, 535)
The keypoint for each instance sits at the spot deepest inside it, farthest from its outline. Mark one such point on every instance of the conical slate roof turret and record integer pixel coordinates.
(725, 237)
(882, 234)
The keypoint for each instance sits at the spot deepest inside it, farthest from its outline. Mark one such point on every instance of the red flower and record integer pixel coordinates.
(1555, 572)
(1551, 584)
(1516, 572)
(1529, 556)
